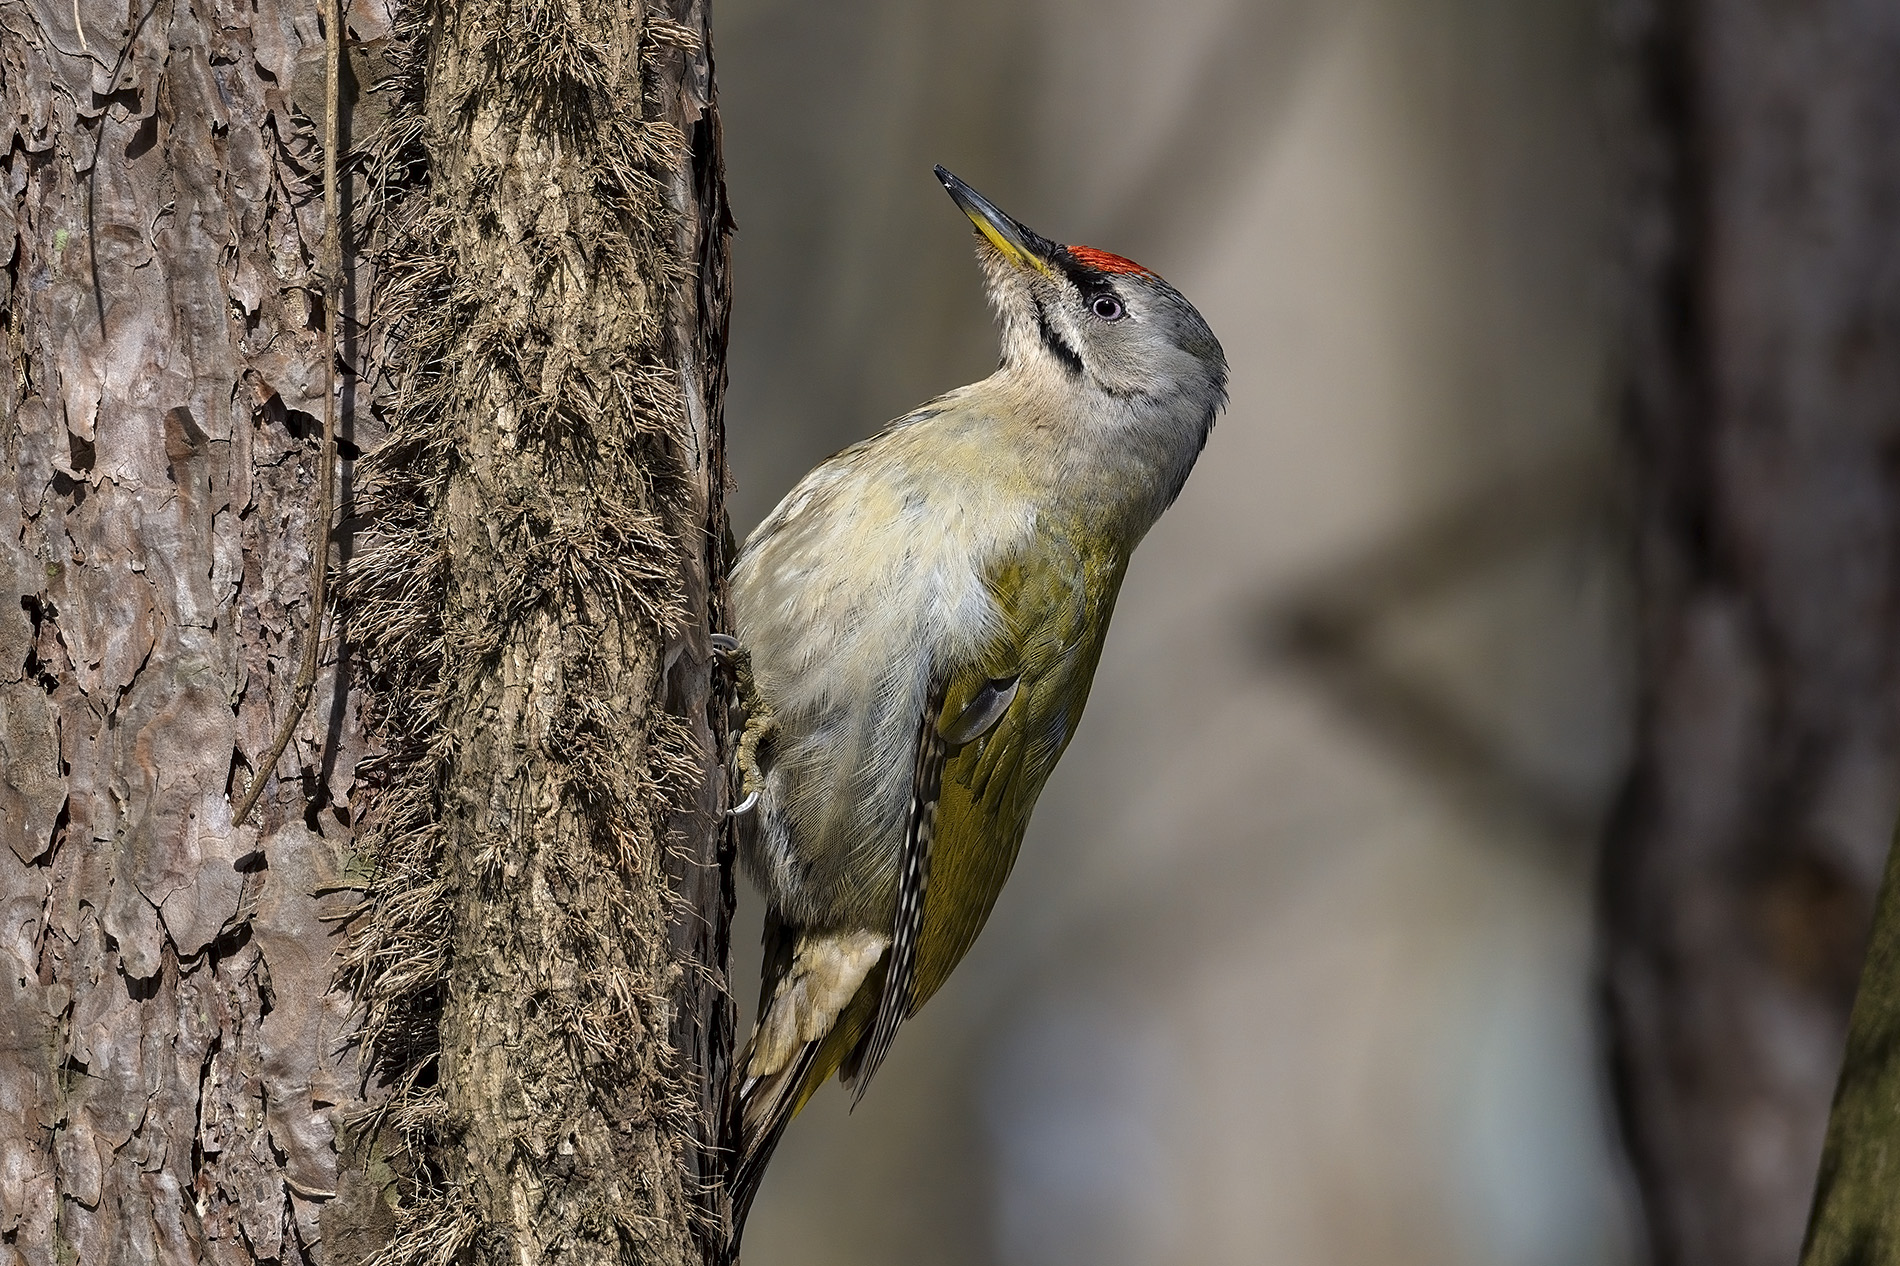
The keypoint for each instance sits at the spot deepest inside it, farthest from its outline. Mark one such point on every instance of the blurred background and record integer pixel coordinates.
(1299, 963)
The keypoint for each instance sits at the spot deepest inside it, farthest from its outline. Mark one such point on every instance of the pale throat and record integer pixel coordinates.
(1086, 453)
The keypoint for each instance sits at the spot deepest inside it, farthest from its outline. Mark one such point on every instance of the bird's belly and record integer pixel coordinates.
(829, 825)
(847, 698)
(870, 584)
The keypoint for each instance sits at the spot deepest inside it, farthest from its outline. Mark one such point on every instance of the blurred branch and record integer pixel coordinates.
(1327, 630)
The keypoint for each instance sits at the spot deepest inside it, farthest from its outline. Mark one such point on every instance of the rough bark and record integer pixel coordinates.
(1739, 878)
(175, 1065)
(543, 967)
(183, 1068)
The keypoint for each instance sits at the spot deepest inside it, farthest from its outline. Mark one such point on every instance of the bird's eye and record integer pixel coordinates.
(1108, 308)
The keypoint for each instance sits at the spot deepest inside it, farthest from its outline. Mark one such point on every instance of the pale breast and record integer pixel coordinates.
(866, 581)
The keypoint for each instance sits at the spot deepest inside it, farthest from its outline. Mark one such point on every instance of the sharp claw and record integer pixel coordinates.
(724, 645)
(744, 806)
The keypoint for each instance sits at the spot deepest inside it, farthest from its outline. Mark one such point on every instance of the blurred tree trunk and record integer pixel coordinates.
(491, 846)
(1764, 404)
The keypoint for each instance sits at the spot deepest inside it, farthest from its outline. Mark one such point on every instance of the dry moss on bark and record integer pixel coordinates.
(527, 597)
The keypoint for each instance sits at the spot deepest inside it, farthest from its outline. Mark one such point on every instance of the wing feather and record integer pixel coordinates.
(1056, 601)
(913, 883)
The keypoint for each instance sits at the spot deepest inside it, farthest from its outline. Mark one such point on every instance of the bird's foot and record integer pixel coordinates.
(759, 729)
(759, 725)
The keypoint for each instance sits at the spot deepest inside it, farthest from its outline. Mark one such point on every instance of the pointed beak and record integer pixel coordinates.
(1022, 246)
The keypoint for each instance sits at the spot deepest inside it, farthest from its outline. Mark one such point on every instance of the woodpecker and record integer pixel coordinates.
(921, 618)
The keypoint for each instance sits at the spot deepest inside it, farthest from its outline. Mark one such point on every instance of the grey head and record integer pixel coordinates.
(1094, 320)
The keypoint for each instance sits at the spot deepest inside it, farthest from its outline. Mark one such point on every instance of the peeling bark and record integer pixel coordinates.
(1740, 876)
(176, 1065)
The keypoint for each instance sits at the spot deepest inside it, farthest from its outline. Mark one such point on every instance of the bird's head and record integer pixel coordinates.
(1092, 320)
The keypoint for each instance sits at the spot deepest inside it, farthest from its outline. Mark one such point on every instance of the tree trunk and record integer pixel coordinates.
(1740, 875)
(176, 1066)
(540, 599)
(1856, 1216)
(493, 837)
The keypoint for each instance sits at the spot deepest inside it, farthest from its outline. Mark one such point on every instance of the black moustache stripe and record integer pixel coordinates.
(1070, 358)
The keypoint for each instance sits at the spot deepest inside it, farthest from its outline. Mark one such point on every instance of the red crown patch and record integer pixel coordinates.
(1102, 261)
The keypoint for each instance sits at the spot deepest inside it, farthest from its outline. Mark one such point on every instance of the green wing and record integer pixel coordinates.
(1056, 599)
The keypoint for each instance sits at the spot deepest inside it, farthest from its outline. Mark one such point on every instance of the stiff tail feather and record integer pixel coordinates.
(759, 1108)
(757, 1116)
